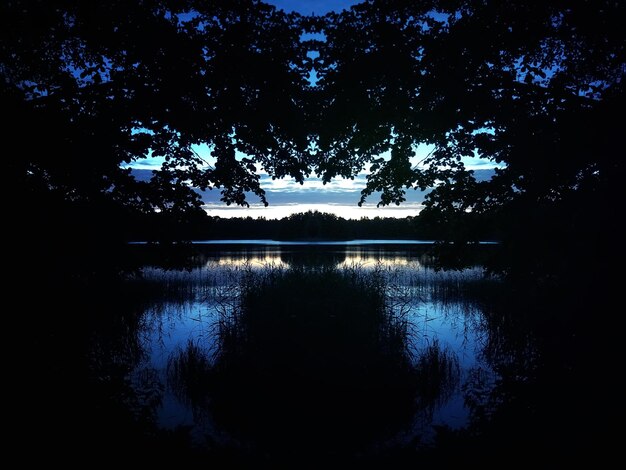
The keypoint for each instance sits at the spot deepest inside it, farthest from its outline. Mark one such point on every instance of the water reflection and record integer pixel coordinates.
(258, 256)
(349, 350)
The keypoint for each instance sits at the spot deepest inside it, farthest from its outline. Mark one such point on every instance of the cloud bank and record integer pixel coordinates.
(286, 197)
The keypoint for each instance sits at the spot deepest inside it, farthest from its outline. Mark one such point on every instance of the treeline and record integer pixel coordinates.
(311, 225)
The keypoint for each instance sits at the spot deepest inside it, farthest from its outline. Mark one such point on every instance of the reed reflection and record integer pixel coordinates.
(326, 352)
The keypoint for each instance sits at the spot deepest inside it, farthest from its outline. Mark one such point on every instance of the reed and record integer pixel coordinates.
(312, 361)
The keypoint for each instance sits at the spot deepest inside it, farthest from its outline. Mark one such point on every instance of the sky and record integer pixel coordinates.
(307, 7)
(285, 196)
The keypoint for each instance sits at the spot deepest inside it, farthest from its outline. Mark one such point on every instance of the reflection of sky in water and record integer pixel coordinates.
(260, 258)
(455, 329)
(453, 324)
(169, 328)
(368, 261)
(258, 261)
(173, 325)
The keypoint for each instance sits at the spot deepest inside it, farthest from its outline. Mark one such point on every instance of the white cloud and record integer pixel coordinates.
(478, 163)
(313, 184)
(340, 196)
(148, 163)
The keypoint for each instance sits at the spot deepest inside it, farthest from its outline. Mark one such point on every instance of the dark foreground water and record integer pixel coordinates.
(434, 325)
(292, 355)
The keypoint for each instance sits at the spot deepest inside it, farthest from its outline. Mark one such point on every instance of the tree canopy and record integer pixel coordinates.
(532, 87)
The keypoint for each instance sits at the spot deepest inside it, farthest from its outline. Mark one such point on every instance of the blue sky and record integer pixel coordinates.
(307, 7)
(286, 197)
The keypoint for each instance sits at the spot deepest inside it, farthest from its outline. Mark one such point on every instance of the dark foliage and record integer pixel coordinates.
(532, 87)
(314, 363)
(312, 226)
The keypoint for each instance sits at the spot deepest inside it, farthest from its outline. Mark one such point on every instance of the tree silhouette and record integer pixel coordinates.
(530, 87)
(106, 84)
(536, 88)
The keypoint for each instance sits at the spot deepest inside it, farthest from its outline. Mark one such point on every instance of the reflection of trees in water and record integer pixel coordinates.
(503, 396)
(122, 393)
(313, 257)
(318, 356)
(313, 361)
(438, 373)
(188, 257)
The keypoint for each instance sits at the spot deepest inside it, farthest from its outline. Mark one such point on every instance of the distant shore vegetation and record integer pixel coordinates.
(309, 225)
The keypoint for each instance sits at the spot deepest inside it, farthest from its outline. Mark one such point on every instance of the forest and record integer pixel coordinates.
(278, 346)
(534, 89)
(312, 226)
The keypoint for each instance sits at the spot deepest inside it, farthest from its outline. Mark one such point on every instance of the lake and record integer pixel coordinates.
(285, 350)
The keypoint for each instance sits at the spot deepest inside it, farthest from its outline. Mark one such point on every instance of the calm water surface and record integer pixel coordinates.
(443, 323)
